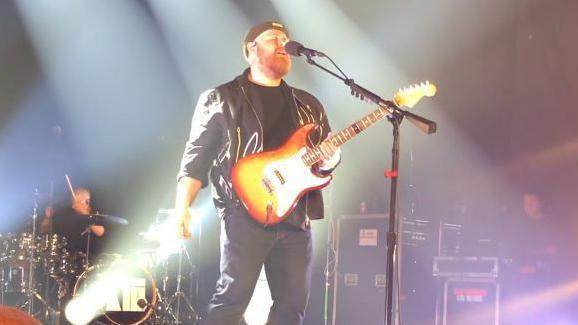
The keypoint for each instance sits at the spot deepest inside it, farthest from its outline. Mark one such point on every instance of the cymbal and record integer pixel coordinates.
(107, 217)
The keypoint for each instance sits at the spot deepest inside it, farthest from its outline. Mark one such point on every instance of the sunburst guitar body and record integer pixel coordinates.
(270, 183)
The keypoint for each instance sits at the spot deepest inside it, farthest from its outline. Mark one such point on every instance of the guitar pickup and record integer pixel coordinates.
(267, 184)
(280, 177)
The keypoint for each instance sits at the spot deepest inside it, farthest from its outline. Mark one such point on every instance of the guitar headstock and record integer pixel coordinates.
(409, 96)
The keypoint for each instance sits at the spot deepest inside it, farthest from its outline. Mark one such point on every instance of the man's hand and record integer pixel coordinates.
(46, 225)
(97, 230)
(49, 212)
(187, 190)
(183, 217)
(330, 154)
(327, 150)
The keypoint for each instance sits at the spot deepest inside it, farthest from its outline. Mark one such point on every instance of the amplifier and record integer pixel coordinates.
(465, 266)
(417, 232)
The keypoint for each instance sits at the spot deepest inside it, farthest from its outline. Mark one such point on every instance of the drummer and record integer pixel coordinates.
(73, 220)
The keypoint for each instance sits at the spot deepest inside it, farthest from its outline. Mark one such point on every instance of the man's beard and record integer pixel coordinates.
(276, 66)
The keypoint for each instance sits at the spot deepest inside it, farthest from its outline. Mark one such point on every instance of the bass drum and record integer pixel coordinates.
(130, 291)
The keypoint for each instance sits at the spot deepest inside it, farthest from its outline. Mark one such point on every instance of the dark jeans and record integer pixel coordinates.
(246, 246)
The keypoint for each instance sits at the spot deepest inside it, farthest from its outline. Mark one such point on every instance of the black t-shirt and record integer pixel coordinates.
(71, 225)
(278, 123)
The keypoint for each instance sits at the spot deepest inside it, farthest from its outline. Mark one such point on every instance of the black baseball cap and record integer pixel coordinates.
(258, 29)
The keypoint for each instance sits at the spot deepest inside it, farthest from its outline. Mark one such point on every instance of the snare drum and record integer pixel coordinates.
(53, 244)
(54, 254)
(130, 291)
(75, 263)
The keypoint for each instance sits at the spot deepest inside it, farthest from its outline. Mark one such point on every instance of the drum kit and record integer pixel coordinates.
(42, 275)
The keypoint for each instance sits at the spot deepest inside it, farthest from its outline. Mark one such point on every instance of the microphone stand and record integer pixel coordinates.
(329, 259)
(395, 116)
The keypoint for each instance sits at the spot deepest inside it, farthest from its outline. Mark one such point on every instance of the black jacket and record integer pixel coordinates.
(226, 126)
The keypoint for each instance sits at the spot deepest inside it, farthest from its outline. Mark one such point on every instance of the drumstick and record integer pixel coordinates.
(70, 186)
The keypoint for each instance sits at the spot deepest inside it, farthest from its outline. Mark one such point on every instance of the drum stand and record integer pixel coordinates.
(32, 294)
(88, 233)
(179, 297)
(176, 309)
(2, 283)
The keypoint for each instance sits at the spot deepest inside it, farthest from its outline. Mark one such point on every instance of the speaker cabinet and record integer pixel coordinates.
(360, 271)
(359, 279)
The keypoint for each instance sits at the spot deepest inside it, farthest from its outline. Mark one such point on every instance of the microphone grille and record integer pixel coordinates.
(293, 48)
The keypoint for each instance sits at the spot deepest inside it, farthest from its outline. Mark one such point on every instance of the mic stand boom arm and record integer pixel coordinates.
(396, 116)
(423, 124)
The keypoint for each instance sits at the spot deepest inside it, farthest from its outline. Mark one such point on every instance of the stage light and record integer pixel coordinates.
(94, 296)
(78, 312)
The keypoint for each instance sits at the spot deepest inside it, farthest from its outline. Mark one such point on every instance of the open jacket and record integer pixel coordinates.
(227, 125)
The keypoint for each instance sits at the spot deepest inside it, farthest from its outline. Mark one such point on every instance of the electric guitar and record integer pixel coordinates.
(271, 183)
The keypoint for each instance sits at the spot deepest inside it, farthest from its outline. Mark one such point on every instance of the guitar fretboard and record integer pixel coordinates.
(313, 155)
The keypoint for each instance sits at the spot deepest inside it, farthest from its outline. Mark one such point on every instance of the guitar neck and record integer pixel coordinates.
(406, 97)
(313, 155)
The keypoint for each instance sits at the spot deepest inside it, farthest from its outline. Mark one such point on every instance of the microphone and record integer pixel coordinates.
(297, 49)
